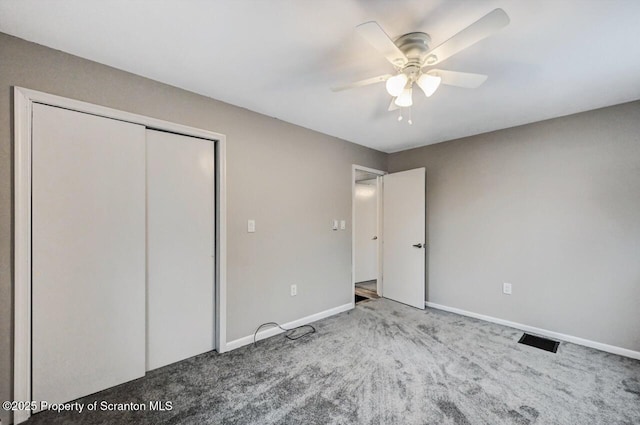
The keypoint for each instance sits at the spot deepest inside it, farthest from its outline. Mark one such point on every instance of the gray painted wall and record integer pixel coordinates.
(551, 207)
(291, 180)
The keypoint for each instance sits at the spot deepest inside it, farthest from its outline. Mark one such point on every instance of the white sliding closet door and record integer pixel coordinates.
(88, 253)
(180, 247)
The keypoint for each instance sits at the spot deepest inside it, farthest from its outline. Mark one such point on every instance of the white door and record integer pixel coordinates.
(180, 247)
(366, 229)
(404, 237)
(88, 244)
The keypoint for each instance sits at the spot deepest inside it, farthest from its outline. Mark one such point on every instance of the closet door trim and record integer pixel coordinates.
(23, 111)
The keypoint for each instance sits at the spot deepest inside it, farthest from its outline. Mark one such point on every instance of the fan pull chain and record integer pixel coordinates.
(400, 117)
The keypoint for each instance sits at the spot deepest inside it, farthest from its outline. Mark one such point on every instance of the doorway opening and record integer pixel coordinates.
(366, 237)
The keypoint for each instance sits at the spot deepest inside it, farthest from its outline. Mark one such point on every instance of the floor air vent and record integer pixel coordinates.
(539, 342)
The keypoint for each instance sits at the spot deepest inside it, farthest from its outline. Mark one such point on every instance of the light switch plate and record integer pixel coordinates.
(334, 225)
(506, 288)
(251, 226)
(343, 224)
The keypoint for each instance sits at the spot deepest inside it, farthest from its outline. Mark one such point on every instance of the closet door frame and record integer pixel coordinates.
(23, 108)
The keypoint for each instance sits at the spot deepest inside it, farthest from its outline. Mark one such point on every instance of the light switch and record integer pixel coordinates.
(343, 224)
(251, 226)
(334, 225)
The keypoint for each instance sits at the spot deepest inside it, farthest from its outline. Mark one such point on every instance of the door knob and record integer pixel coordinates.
(374, 238)
(418, 245)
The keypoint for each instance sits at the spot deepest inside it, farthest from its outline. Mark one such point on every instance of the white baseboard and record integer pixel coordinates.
(246, 340)
(568, 338)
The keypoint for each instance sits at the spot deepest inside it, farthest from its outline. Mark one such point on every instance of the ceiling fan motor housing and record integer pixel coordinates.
(415, 46)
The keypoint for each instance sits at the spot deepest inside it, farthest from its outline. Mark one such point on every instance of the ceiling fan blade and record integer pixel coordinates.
(459, 79)
(372, 80)
(482, 28)
(393, 106)
(375, 35)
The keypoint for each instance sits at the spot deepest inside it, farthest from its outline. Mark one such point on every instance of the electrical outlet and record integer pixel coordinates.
(506, 288)
(294, 290)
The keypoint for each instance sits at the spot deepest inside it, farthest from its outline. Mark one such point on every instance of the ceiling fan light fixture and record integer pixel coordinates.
(404, 100)
(429, 83)
(396, 84)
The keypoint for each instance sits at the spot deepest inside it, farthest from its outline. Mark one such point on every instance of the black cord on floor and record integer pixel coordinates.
(288, 332)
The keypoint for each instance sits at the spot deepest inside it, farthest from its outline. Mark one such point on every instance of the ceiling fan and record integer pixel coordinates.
(414, 60)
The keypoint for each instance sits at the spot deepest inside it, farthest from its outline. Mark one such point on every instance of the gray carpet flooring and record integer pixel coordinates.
(384, 363)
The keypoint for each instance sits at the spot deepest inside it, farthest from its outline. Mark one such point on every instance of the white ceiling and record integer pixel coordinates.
(280, 57)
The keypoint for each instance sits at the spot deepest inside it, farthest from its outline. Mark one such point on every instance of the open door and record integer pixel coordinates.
(404, 237)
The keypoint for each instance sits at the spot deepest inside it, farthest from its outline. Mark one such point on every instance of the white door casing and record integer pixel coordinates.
(403, 231)
(379, 213)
